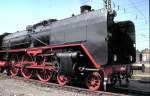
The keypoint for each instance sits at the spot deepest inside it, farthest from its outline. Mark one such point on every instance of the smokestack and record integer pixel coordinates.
(85, 8)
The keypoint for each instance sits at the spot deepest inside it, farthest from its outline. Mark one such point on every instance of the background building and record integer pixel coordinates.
(143, 56)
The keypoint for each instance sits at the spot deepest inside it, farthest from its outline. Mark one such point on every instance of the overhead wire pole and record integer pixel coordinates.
(137, 9)
(141, 13)
(107, 4)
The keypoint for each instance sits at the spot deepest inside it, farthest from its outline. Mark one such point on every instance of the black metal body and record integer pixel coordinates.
(103, 38)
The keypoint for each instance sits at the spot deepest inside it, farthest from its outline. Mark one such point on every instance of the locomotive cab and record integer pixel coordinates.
(122, 43)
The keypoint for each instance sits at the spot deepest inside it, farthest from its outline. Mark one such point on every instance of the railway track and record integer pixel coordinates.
(77, 90)
(117, 91)
(130, 91)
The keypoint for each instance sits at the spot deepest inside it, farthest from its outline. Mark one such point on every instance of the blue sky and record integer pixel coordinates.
(15, 15)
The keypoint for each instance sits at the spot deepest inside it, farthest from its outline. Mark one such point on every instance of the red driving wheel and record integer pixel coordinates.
(13, 61)
(93, 81)
(62, 79)
(26, 61)
(26, 73)
(44, 75)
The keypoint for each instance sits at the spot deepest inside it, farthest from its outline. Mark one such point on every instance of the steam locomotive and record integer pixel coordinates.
(90, 47)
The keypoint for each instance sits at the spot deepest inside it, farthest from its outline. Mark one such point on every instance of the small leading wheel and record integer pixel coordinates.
(14, 60)
(113, 79)
(124, 79)
(44, 75)
(93, 81)
(62, 79)
(27, 61)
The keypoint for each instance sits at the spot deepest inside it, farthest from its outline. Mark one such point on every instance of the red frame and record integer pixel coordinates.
(36, 50)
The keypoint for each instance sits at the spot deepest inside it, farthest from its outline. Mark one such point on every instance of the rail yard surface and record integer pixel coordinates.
(17, 86)
(14, 86)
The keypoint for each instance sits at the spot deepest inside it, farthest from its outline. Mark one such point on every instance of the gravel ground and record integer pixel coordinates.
(16, 87)
(13, 87)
